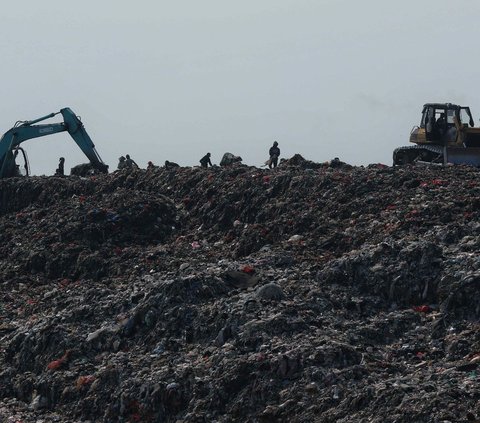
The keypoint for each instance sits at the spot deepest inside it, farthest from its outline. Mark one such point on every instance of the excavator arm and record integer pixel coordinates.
(77, 131)
(28, 130)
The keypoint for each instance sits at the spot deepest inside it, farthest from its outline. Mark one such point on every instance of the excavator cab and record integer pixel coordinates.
(10, 166)
(22, 167)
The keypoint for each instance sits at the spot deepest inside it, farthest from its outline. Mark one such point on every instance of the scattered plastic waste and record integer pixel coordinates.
(312, 292)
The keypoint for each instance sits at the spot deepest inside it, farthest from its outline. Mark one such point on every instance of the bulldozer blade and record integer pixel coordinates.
(465, 156)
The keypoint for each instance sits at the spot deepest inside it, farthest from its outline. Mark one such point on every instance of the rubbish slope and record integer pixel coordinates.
(313, 292)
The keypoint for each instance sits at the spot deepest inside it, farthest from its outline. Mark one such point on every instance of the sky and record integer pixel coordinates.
(163, 80)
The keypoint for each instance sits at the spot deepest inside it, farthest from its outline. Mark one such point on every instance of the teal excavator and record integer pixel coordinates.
(10, 150)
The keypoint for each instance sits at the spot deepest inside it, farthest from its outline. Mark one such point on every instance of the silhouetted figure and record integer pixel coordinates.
(274, 155)
(129, 163)
(61, 167)
(150, 165)
(121, 163)
(205, 160)
(440, 126)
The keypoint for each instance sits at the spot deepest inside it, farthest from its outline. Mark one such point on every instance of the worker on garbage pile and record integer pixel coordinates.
(171, 165)
(205, 160)
(274, 153)
(335, 162)
(150, 165)
(129, 163)
(121, 163)
(61, 167)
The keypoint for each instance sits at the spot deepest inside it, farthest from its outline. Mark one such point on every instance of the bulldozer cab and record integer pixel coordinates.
(440, 122)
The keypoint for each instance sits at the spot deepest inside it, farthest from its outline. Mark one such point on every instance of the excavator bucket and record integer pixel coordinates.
(466, 156)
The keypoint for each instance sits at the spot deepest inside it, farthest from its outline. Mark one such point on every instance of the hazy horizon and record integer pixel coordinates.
(171, 81)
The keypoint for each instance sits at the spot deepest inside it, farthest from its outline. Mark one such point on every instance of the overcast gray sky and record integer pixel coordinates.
(175, 79)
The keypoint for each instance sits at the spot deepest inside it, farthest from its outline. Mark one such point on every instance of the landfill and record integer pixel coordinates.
(313, 292)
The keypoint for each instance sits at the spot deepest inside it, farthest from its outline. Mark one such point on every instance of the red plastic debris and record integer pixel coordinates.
(248, 269)
(266, 179)
(261, 357)
(64, 282)
(135, 410)
(84, 380)
(55, 364)
(411, 214)
(439, 182)
(435, 182)
(422, 308)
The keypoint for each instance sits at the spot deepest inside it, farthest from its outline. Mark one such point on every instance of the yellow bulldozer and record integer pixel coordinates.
(446, 135)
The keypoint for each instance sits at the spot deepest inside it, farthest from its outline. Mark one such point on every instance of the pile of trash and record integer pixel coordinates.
(310, 292)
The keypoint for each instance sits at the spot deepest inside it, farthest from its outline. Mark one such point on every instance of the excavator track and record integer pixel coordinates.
(418, 153)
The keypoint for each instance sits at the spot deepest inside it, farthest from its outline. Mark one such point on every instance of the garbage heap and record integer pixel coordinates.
(311, 292)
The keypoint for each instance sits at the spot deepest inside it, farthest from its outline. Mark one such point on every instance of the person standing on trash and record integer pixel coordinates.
(121, 163)
(205, 160)
(129, 163)
(274, 155)
(61, 167)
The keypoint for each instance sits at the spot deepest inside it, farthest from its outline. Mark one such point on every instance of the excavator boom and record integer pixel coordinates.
(27, 130)
(77, 131)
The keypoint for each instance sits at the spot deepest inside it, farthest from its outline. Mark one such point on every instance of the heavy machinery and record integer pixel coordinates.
(10, 149)
(446, 135)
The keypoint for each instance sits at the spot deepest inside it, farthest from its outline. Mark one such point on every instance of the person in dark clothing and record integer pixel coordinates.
(440, 124)
(274, 155)
(61, 167)
(129, 163)
(205, 160)
(121, 163)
